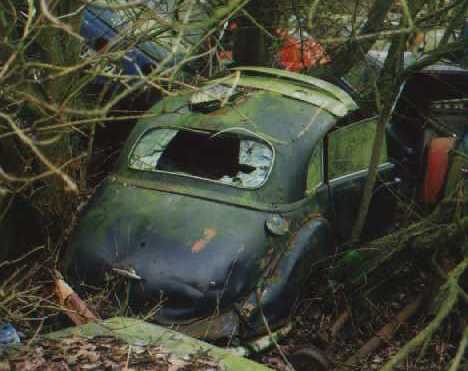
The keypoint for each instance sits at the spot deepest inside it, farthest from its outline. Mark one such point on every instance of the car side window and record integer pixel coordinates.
(350, 148)
(315, 169)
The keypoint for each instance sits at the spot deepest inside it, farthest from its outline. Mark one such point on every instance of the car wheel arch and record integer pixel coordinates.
(282, 289)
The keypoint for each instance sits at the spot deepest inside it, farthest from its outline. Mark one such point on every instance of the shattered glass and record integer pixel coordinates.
(147, 153)
(231, 159)
(254, 155)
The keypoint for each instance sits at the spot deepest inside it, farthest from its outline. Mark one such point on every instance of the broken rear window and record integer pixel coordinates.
(228, 158)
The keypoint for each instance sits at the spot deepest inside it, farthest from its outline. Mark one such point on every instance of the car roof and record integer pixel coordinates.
(276, 104)
(292, 123)
(295, 85)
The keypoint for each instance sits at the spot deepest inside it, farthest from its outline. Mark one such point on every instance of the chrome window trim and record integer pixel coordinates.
(383, 165)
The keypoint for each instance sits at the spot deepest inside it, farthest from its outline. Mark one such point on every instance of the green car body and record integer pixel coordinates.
(220, 249)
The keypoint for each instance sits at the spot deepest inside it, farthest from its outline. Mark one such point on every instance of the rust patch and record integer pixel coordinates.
(208, 235)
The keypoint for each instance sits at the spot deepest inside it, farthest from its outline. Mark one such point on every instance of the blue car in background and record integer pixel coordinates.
(147, 44)
(106, 27)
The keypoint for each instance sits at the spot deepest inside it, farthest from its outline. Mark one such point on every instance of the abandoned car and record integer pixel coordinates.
(223, 204)
(210, 203)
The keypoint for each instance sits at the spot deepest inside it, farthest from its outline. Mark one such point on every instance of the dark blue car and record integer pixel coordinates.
(149, 45)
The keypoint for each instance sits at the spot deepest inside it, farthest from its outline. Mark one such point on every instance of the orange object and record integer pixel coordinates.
(436, 168)
(226, 55)
(232, 26)
(295, 55)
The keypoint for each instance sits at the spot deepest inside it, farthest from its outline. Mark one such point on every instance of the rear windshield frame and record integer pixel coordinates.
(243, 132)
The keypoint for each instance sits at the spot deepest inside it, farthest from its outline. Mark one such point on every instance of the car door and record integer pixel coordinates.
(348, 153)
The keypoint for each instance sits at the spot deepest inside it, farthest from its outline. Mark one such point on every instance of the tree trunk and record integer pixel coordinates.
(254, 43)
(390, 88)
(355, 50)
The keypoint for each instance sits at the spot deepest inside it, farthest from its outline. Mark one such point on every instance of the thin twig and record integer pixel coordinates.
(452, 296)
(461, 352)
(59, 24)
(26, 140)
(270, 333)
(11, 262)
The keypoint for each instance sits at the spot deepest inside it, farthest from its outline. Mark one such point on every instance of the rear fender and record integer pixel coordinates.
(307, 249)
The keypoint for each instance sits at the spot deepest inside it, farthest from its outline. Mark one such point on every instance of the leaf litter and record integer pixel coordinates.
(100, 353)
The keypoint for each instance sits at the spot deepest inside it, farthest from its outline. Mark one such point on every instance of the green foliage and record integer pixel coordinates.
(350, 268)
